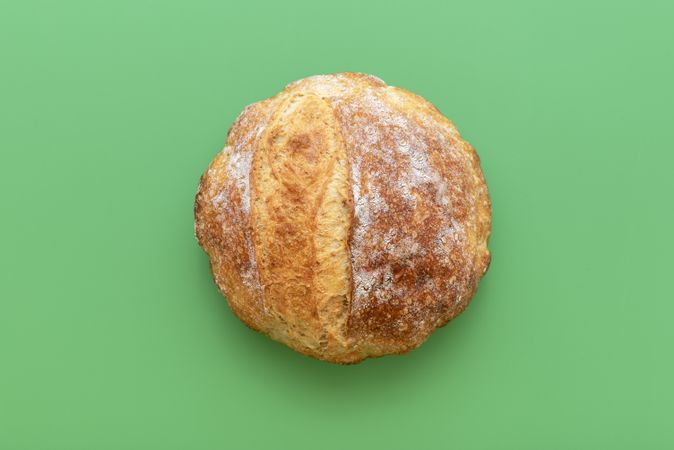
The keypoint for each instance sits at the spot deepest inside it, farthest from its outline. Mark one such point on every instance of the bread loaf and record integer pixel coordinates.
(345, 218)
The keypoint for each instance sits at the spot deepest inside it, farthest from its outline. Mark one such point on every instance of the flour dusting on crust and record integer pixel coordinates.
(404, 235)
(232, 200)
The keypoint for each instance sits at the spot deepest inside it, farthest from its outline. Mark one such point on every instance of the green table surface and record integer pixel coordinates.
(113, 335)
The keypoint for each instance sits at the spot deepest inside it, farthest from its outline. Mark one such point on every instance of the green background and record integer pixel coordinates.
(112, 333)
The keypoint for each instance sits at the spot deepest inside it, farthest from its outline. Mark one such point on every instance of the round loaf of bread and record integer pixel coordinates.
(345, 218)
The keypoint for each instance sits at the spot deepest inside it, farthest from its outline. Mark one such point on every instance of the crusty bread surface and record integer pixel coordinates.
(345, 218)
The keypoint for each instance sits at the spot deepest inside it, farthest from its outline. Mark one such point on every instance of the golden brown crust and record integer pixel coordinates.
(299, 224)
(345, 218)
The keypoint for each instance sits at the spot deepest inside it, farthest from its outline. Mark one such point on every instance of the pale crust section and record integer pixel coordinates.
(345, 218)
(300, 224)
(333, 280)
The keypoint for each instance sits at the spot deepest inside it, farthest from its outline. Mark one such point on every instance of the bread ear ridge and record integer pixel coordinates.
(299, 224)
